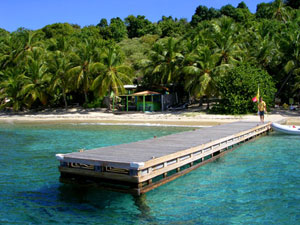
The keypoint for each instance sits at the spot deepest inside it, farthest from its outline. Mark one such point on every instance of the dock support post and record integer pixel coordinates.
(140, 185)
(133, 172)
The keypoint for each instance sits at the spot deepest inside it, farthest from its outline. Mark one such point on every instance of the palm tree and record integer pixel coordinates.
(199, 36)
(164, 62)
(61, 43)
(10, 89)
(59, 65)
(86, 55)
(226, 43)
(263, 50)
(297, 84)
(36, 78)
(201, 70)
(112, 73)
(27, 41)
(6, 51)
(280, 11)
(290, 48)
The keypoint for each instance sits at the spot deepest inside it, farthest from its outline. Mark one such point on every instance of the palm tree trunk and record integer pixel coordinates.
(65, 99)
(201, 102)
(85, 86)
(85, 97)
(283, 83)
(207, 100)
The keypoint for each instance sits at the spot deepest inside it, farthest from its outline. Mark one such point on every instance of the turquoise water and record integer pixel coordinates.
(258, 183)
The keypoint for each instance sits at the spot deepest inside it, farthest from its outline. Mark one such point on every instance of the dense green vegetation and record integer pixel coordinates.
(238, 85)
(223, 53)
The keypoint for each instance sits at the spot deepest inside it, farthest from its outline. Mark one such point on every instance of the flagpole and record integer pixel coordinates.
(257, 94)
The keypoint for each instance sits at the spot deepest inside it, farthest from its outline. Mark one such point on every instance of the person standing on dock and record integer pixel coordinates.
(262, 108)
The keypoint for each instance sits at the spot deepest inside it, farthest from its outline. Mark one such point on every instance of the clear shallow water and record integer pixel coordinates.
(258, 183)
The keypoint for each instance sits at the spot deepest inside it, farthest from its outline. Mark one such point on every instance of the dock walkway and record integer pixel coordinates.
(141, 166)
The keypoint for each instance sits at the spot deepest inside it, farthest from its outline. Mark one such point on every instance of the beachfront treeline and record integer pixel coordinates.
(222, 53)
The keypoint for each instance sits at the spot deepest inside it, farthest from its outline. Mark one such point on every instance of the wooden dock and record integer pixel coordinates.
(141, 166)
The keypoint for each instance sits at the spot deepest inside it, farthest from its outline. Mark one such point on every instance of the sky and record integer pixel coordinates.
(35, 14)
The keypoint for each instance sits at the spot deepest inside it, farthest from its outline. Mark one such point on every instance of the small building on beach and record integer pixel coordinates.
(145, 101)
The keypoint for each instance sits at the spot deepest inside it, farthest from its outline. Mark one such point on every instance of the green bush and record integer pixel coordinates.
(239, 86)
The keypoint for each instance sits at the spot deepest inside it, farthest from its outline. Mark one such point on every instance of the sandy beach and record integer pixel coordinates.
(178, 118)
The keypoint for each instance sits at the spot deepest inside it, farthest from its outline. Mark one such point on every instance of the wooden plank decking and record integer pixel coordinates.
(138, 163)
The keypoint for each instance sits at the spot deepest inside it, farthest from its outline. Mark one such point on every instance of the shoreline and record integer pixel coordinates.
(181, 118)
(116, 122)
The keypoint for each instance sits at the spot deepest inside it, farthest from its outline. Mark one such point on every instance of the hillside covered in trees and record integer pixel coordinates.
(223, 53)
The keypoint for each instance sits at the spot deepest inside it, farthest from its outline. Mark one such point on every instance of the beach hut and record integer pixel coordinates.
(148, 101)
(141, 101)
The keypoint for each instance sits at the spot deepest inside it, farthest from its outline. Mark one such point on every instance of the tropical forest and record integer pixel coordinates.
(223, 54)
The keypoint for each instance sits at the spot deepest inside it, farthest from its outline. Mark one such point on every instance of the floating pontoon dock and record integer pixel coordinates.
(144, 165)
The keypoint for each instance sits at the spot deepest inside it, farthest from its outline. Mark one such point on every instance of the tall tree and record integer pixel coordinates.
(203, 13)
(239, 14)
(139, 26)
(274, 10)
(116, 30)
(226, 43)
(103, 23)
(290, 48)
(86, 55)
(28, 42)
(7, 51)
(112, 73)
(163, 66)
(200, 70)
(10, 89)
(242, 5)
(59, 29)
(280, 11)
(172, 27)
(261, 44)
(263, 11)
(15, 47)
(36, 78)
(59, 66)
